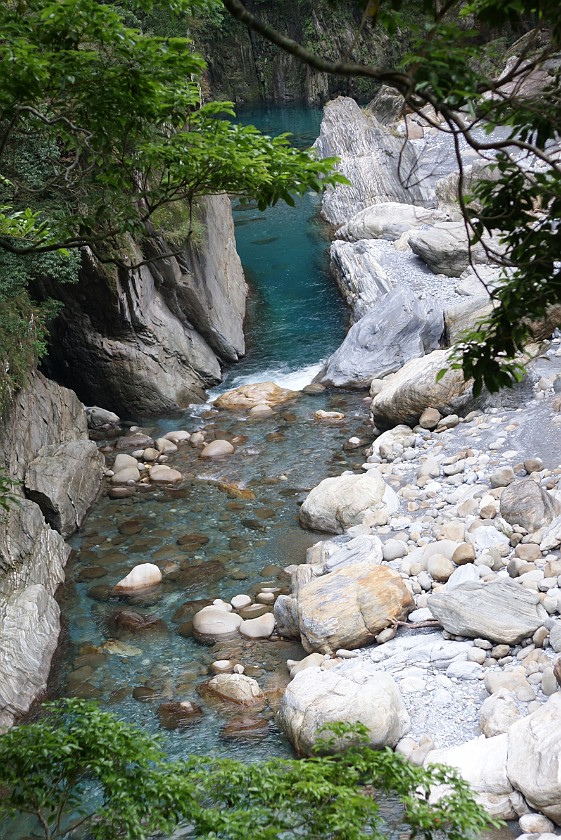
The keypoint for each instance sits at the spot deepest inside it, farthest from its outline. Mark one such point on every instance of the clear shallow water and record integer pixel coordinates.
(295, 320)
(249, 541)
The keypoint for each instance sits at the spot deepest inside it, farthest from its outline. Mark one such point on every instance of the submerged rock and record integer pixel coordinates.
(176, 715)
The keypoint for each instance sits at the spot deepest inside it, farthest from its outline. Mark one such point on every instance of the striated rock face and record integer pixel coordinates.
(377, 164)
(399, 328)
(152, 340)
(44, 420)
(64, 480)
(32, 560)
(360, 275)
(415, 387)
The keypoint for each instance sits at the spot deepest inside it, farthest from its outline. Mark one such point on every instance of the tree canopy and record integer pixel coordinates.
(443, 75)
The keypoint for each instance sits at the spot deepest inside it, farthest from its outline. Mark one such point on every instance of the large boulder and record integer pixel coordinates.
(482, 763)
(408, 392)
(527, 504)
(248, 396)
(349, 606)
(353, 692)
(400, 328)
(64, 480)
(388, 221)
(534, 758)
(444, 247)
(376, 162)
(501, 611)
(360, 275)
(340, 502)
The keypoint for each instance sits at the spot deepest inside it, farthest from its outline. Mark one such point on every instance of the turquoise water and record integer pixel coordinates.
(295, 320)
(296, 316)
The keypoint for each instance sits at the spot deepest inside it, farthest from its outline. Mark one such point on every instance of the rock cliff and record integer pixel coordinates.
(45, 421)
(151, 340)
(380, 166)
(245, 68)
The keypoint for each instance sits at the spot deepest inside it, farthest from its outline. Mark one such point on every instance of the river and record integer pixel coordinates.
(230, 545)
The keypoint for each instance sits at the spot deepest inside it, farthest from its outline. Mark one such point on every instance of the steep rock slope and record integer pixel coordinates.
(151, 340)
(43, 417)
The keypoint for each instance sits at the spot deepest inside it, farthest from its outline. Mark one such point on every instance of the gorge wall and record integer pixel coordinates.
(151, 340)
(245, 68)
(44, 433)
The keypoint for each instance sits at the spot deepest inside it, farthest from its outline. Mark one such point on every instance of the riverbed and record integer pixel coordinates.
(232, 525)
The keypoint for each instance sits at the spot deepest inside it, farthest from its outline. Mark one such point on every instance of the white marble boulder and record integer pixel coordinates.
(353, 692)
(534, 758)
(407, 393)
(501, 611)
(338, 503)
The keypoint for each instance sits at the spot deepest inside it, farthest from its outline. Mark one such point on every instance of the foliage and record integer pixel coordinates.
(520, 209)
(81, 766)
(119, 114)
